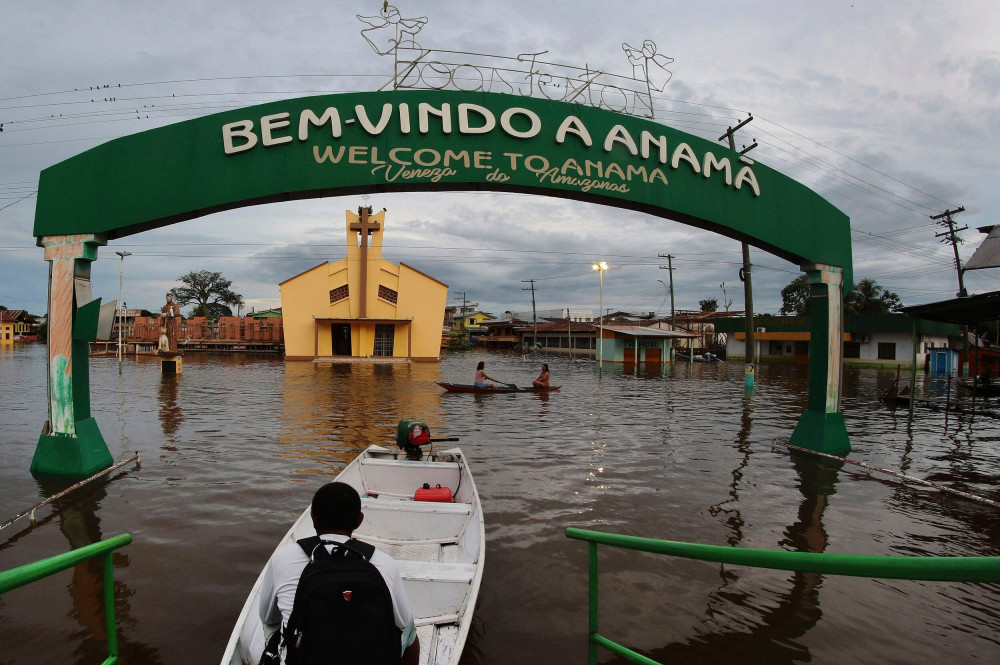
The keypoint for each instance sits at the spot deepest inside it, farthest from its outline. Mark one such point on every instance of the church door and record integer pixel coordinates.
(385, 333)
(341, 333)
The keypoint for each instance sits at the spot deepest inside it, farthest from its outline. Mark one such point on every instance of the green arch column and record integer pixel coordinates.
(71, 443)
(821, 427)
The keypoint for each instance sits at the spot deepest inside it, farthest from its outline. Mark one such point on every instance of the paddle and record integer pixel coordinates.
(509, 385)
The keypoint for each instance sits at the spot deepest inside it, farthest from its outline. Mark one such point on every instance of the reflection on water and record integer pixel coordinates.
(234, 446)
(171, 416)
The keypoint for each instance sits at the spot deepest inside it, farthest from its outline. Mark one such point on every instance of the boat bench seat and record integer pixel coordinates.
(414, 520)
(436, 589)
(423, 571)
(368, 503)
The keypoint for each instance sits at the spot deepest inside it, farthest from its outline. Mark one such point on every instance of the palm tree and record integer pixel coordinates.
(870, 298)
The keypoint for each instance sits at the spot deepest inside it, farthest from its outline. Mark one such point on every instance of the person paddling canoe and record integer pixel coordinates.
(543, 378)
(482, 377)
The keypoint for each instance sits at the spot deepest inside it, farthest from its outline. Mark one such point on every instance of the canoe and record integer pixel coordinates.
(698, 359)
(469, 388)
(991, 389)
(439, 548)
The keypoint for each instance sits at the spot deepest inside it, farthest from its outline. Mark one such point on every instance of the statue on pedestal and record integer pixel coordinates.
(170, 321)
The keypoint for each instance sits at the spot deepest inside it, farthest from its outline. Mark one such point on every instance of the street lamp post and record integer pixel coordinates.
(600, 267)
(121, 310)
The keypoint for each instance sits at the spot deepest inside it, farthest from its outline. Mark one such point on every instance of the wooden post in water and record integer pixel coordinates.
(914, 341)
(947, 402)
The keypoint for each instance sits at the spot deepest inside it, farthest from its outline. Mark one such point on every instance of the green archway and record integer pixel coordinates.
(337, 145)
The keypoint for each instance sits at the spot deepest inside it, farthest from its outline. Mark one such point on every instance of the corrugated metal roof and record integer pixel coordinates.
(971, 309)
(988, 254)
(641, 331)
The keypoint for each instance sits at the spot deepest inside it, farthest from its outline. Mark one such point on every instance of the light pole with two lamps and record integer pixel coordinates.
(121, 310)
(600, 267)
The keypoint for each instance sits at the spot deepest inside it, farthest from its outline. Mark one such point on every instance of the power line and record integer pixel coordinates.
(870, 168)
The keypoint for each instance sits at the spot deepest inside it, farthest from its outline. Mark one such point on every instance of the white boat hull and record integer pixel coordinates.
(439, 548)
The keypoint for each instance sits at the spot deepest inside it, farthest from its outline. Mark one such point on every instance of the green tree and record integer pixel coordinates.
(867, 297)
(210, 291)
(709, 305)
(795, 297)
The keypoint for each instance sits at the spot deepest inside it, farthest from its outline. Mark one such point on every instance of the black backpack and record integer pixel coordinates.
(343, 609)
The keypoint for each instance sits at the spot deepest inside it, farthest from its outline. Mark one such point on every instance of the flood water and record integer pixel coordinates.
(233, 448)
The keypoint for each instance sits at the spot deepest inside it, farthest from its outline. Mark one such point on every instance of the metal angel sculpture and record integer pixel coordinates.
(397, 31)
(389, 34)
(643, 58)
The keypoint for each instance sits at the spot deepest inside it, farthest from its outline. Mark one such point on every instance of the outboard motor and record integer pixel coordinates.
(412, 433)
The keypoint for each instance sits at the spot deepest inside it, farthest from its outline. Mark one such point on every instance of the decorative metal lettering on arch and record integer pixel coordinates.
(526, 74)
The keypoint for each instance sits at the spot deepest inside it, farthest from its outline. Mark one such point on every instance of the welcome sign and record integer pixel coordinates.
(343, 144)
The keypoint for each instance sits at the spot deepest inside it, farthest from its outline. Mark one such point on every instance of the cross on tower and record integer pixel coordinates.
(365, 227)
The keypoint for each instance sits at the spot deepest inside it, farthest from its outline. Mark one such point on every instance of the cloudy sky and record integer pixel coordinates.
(890, 110)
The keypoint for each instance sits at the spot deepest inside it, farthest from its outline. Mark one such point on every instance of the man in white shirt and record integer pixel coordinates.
(336, 512)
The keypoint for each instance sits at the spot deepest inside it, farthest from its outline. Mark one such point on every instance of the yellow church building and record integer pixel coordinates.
(363, 306)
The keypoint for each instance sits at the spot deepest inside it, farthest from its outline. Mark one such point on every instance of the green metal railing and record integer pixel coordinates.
(931, 568)
(32, 572)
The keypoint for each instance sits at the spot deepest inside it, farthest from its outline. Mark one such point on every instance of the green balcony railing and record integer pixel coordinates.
(32, 572)
(931, 568)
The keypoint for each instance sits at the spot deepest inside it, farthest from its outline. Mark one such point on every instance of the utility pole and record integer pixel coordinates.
(569, 331)
(670, 267)
(745, 272)
(944, 219)
(465, 307)
(673, 323)
(534, 315)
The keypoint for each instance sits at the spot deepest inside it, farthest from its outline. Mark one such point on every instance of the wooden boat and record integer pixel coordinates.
(439, 548)
(500, 388)
(894, 397)
(991, 389)
(699, 358)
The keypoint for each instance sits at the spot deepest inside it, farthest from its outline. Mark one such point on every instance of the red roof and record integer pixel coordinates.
(13, 315)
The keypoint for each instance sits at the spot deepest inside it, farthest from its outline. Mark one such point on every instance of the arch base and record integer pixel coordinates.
(822, 432)
(81, 455)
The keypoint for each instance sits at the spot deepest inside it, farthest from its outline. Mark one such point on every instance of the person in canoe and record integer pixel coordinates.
(297, 583)
(482, 377)
(543, 378)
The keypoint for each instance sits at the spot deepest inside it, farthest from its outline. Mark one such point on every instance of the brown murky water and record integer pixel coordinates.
(233, 448)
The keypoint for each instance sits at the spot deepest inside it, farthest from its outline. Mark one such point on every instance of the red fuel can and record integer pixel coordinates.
(438, 494)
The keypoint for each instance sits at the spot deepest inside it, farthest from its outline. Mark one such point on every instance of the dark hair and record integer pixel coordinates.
(481, 365)
(545, 367)
(336, 506)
